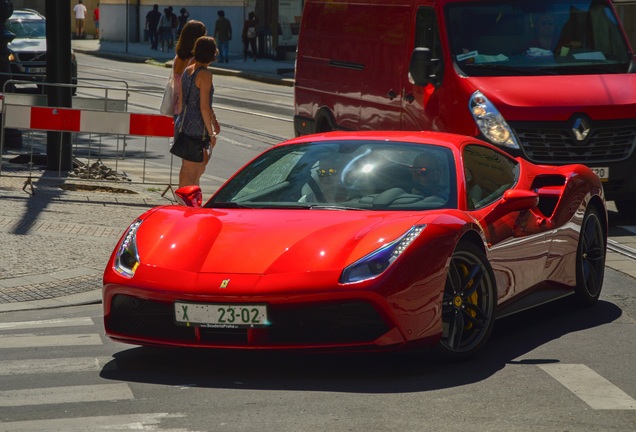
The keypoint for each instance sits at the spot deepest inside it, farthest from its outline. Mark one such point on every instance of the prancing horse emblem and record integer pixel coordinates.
(224, 283)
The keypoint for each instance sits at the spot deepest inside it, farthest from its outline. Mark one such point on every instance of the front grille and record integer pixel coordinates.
(332, 323)
(554, 143)
(328, 323)
(32, 56)
(132, 316)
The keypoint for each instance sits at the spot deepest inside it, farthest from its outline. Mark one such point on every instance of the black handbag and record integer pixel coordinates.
(187, 147)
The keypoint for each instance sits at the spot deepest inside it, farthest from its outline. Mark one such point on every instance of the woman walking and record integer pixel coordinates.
(249, 35)
(197, 117)
(164, 29)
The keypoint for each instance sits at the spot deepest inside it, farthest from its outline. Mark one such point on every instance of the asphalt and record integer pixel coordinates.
(55, 240)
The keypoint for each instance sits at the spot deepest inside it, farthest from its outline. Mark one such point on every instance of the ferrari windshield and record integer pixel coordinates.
(536, 37)
(361, 175)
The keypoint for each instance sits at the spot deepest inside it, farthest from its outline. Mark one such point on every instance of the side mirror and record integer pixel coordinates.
(190, 196)
(514, 200)
(423, 69)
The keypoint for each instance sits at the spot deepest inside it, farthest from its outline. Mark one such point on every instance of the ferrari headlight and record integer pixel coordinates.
(127, 258)
(490, 122)
(381, 259)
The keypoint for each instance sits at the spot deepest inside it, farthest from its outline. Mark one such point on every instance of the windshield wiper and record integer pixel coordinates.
(518, 70)
(228, 205)
(331, 207)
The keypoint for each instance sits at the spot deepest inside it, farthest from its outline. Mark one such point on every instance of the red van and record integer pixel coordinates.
(552, 81)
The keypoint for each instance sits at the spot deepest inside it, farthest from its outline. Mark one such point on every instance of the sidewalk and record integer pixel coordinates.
(279, 72)
(55, 244)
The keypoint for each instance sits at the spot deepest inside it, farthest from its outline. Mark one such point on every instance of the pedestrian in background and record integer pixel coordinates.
(183, 19)
(174, 23)
(80, 18)
(165, 29)
(191, 31)
(152, 24)
(223, 35)
(249, 35)
(197, 117)
(96, 20)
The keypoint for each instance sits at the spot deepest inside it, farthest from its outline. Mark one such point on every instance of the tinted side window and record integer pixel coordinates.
(488, 175)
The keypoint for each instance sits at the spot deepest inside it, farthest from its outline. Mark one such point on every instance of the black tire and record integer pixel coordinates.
(590, 259)
(468, 304)
(626, 208)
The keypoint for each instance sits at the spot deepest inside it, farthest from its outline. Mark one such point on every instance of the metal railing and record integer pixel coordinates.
(109, 143)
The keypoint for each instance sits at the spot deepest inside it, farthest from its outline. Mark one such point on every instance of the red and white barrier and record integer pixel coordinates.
(86, 121)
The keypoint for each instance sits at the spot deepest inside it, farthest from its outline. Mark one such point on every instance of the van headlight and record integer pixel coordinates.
(490, 121)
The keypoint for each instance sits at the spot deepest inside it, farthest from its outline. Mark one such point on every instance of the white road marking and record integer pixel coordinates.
(66, 322)
(590, 387)
(70, 394)
(30, 340)
(54, 365)
(135, 422)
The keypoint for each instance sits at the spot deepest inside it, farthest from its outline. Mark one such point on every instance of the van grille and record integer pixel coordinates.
(554, 143)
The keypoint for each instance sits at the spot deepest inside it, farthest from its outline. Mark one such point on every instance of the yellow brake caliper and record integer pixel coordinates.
(458, 301)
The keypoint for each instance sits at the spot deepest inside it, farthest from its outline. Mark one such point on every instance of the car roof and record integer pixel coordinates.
(26, 14)
(450, 140)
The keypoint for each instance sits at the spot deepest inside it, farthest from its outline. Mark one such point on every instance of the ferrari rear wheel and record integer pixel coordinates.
(590, 259)
(468, 303)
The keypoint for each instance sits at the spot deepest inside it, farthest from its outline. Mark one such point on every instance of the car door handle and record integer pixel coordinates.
(391, 94)
(409, 97)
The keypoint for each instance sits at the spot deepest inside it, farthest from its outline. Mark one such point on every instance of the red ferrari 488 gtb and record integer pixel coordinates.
(359, 241)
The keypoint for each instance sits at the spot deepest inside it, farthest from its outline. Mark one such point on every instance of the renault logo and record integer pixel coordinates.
(581, 129)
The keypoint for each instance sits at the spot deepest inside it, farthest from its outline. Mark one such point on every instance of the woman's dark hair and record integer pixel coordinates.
(191, 31)
(205, 49)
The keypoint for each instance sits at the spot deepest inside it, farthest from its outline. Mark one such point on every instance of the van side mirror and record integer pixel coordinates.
(423, 69)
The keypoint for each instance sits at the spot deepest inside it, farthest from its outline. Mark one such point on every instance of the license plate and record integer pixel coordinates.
(602, 172)
(220, 315)
(35, 70)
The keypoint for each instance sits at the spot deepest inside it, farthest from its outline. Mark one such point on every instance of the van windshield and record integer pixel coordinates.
(536, 37)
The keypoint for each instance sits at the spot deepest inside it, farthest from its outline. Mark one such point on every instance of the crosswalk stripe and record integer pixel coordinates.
(30, 340)
(134, 422)
(70, 394)
(590, 387)
(66, 322)
(54, 365)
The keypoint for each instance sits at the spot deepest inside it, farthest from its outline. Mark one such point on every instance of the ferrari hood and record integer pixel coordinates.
(249, 241)
(538, 98)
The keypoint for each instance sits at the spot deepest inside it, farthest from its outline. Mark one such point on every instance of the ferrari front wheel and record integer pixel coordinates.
(590, 259)
(468, 303)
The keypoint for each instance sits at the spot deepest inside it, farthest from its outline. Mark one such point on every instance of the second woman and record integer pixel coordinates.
(196, 117)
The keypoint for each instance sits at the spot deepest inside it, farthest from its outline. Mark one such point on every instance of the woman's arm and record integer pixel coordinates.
(204, 81)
